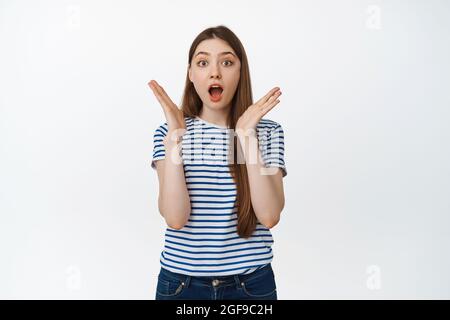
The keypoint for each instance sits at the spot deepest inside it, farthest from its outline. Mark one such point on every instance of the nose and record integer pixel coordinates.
(215, 75)
(215, 72)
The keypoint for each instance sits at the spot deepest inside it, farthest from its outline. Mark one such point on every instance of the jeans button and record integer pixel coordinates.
(215, 282)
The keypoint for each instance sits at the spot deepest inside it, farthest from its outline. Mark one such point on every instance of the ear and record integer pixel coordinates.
(190, 73)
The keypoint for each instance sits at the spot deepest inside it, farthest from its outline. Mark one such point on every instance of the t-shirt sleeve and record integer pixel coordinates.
(273, 150)
(158, 145)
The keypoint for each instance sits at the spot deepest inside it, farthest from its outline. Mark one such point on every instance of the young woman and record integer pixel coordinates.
(220, 168)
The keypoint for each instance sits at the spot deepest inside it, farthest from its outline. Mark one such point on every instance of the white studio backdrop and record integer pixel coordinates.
(365, 110)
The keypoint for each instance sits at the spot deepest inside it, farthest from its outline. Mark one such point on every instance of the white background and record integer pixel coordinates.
(365, 110)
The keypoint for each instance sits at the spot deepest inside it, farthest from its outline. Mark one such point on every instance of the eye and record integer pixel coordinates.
(230, 63)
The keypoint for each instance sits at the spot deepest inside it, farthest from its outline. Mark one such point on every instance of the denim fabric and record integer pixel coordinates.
(258, 285)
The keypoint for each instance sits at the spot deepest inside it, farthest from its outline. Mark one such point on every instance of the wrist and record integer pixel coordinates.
(246, 133)
(173, 138)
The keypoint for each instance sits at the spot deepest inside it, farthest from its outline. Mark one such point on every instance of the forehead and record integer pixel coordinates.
(214, 47)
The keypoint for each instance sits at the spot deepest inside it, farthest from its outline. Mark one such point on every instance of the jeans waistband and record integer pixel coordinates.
(222, 280)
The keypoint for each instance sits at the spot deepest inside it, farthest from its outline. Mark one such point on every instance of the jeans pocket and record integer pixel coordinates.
(168, 287)
(260, 287)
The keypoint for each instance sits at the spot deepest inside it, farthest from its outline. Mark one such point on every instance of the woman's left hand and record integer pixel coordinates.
(249, 119)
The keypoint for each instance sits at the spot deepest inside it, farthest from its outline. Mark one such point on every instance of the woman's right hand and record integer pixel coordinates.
(174, 115)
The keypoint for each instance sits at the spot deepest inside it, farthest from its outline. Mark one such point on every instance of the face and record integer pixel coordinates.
(214, 61)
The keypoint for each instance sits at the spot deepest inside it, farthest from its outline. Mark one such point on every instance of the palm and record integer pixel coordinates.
(173, 114)
(250, 118)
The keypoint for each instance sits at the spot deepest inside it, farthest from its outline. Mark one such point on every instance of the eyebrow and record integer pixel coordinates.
(220, 54)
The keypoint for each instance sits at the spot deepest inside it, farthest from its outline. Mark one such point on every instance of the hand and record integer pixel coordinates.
(173, 114)
(249, 119)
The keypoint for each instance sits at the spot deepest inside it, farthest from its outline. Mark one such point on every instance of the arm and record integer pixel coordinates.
(266, 184)
(173, 200)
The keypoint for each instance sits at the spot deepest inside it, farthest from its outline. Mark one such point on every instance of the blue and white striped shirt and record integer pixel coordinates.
(208, 245)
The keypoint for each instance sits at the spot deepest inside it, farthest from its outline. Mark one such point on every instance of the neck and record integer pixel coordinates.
(218, 117)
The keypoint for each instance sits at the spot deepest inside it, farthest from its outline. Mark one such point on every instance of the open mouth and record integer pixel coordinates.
(215, 92)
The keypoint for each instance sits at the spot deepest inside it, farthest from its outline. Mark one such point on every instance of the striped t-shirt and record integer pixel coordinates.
(208, 245)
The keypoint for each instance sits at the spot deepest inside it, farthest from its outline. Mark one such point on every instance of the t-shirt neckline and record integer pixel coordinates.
(210, 124)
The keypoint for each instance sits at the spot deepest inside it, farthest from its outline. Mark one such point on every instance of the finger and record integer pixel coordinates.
(156, 92)
(167, 98)
(269, 107)
(271, 99)
(266, 97)
(155, 87)
(162, 96)
(159, 90)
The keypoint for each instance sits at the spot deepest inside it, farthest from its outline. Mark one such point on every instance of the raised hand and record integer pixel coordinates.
(249, 119)
(173, 114)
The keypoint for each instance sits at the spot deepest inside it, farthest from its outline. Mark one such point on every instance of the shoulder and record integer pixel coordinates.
(269, 132)
(190, 121)
(163, 128)
(268, 126)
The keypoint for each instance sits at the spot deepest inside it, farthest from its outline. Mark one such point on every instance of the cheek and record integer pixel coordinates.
(235, 76)
(199, 79)
(235, 82)
(200, 87)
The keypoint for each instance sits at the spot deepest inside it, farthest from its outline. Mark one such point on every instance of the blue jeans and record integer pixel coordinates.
(258, 285)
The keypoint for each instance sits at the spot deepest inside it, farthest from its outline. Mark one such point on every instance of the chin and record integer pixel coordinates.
(217, 106)
(223, 103)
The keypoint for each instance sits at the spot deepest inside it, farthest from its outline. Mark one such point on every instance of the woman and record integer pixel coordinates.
(218, 204)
